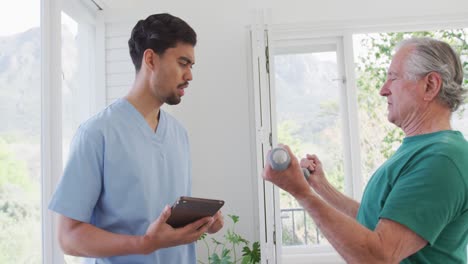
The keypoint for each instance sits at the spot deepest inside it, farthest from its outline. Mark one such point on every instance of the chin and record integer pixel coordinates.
(391, 120)
(395, 122)
(173, 101)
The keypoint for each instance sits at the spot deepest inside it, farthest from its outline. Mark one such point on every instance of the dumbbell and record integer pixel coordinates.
(279, 160)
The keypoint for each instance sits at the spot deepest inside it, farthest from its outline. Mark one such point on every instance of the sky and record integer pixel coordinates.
(18, 16)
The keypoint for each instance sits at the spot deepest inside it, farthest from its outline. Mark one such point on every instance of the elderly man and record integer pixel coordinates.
(415, 207)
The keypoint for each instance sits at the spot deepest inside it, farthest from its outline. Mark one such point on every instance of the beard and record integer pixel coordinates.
(174, 99)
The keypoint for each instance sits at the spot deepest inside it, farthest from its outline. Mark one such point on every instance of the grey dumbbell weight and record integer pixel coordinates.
(279, 160)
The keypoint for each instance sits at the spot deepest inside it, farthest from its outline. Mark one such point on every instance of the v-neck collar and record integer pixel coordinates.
(160, 132)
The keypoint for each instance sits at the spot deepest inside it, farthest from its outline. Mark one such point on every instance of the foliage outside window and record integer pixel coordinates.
(20, 135)
(309, 120)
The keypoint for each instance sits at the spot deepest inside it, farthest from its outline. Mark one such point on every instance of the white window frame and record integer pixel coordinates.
(262, 121)
(262, 82)
(51, 106)
(298, 42)
(293, 44)
(90, 21)
(51, 123)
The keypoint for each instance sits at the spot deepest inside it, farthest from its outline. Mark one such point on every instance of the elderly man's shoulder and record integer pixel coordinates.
(448, 139)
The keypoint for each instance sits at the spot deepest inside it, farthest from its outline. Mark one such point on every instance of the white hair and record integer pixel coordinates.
(430, 55)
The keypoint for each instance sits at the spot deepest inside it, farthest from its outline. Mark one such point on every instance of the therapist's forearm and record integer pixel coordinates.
(85, 240)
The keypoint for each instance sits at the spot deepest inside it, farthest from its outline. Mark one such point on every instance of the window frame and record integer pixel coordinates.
(51, 106)
(299, 42)
(353, 186)
(51, 120)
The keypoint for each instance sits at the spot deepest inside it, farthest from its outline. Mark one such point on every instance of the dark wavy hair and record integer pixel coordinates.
(158, 32)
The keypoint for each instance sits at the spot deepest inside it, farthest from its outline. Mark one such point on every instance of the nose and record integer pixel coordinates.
(188, 75)
(384, 91)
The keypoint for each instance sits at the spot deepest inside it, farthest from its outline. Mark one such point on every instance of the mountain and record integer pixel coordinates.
(307, 91)
(20, 79)
(20, 82)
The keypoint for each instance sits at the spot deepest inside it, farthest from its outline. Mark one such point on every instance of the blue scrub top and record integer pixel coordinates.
(120, 175)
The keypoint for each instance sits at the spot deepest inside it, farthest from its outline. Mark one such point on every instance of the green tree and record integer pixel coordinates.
(287, 134)
(19, 214)
(327, 144)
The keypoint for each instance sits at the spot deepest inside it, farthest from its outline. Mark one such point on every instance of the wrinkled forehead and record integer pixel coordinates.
(397, 64)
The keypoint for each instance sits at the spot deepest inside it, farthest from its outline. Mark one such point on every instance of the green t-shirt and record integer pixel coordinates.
(424, 186)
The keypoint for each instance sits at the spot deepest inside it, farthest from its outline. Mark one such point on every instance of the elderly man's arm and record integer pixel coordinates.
(391, 242)
(322, 186)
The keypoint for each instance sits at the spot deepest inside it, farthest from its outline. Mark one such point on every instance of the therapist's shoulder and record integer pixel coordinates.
(173, 123)
(97, 125)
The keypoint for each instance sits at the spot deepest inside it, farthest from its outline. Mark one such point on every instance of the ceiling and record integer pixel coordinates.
(116, 4)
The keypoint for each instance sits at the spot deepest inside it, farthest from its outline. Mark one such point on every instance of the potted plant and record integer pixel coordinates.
(227, 250)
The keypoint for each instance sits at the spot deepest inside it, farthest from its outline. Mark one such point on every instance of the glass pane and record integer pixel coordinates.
(76, 83)
(309, 121)
(20, 132)
(380, 138)
(70, 80)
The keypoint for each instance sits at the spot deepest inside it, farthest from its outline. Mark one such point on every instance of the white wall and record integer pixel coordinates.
(215, 109)
(294, 11)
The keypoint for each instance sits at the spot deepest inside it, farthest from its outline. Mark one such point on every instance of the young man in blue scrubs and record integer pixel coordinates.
(131, 160)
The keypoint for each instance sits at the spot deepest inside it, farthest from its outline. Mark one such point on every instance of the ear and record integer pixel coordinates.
(433, 83)
(150, 59)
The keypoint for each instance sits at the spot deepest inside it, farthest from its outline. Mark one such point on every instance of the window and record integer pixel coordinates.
(77, 76)
(308, 118)
(20, 133)
(28, 135)
(319, 94)
(77, 81)
(311, 116)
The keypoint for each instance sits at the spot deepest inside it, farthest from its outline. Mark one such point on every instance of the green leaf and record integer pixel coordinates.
(225, 252)
(202, 237)
(234, 218)
(246, 260)
(214, 259)
(252, 255)
(216, 241)
(224, 259)
(229, 246)
(235, 238)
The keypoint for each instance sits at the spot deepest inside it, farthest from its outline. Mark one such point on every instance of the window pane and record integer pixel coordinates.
(76, 83)
(70, 82)
(309, 121)
(20, 133)
(380, 138)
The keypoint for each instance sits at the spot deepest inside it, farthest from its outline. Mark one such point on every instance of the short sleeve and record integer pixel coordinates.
(80, 186)
(427, 197)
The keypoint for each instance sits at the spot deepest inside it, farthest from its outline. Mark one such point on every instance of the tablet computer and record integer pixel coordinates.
(189, 209)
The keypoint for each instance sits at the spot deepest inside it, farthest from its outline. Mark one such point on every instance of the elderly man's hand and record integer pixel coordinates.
(291, 179)
(317, 177)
